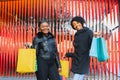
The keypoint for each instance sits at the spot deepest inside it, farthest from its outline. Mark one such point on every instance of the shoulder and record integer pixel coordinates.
(51, 35)
(90, 33)
(39, 35)
(88, 30)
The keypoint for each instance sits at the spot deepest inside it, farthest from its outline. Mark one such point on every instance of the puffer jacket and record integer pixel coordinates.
(46, 47)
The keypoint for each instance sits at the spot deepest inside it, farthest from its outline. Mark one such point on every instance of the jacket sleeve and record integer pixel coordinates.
(33, 43)
(69, 54)
(57, 58)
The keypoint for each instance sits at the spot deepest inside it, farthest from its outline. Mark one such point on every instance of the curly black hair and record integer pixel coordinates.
(78, 19)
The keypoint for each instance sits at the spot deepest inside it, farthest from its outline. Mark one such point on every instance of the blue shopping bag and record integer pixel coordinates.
(93, 49)
(102, 53)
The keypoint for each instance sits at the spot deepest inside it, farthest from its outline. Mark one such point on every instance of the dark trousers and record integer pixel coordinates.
(47, 69)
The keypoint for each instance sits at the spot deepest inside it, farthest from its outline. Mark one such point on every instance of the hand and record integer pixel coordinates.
(28, 45)
(97, 34)
(59, 69)
(64, 56)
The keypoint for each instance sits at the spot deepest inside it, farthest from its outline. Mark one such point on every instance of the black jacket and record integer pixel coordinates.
(46, 47)
(82, 43)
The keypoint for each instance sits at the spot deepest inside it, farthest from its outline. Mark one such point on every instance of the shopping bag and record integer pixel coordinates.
(93, 49)
(102, 52)
(65, 68)
(26, 61)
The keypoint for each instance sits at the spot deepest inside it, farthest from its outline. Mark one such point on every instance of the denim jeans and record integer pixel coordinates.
(78, 77)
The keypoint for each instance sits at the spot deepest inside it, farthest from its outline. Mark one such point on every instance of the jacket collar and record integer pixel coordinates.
(40, 35)
(83, 30)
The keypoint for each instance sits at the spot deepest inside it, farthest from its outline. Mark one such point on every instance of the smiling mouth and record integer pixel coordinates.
(45, 30)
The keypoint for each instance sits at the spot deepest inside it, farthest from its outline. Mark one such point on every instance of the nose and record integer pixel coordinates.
(75, 26)
(45, 27)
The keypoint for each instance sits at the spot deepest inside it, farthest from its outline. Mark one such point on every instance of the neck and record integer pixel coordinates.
(46, 34)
